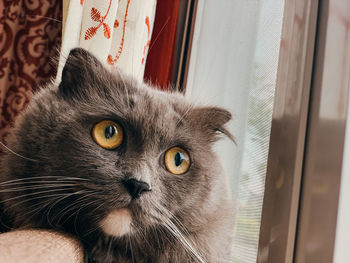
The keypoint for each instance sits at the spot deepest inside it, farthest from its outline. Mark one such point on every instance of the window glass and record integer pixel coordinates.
(233, 64)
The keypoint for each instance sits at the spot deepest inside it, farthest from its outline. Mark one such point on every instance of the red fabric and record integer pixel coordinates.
(160, 57)
(30, 35)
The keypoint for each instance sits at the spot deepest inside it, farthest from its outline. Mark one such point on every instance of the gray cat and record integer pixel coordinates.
(127, 169)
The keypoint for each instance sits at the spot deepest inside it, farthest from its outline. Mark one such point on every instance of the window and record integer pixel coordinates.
(233, 64)
(282, 68)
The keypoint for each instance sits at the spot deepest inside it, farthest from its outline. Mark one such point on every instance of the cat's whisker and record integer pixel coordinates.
(35, 184)
(109, 250)
(187, 245)
(58, 179)
(183, 228)
(36, 209)
(64, 197)
(40, 204)
(44, 205)
(177, 221)
(173, 229)
(73, 205)
(94, 228)
(185, 114)
(141, 232)
(97, 208)
(171, 216)
(153, 42)
(91, 231)
(36, 198)
(36, 193)
(132, 254)
(78, 211)
(160, 32)
(17, 154)
(164, 234)
(38, 179)
(39, 207)
(41, 186)
(94, 202)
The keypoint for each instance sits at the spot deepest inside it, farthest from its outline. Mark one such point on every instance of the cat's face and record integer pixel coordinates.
(125, 156)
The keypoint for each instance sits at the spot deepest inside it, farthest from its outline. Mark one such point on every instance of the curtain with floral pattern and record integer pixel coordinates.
(117, 32)
(30, 36)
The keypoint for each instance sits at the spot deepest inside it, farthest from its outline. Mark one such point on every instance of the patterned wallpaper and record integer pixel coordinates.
(30, 36)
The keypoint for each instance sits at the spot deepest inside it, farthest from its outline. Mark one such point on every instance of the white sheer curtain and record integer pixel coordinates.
(117, 32)
(233, 64)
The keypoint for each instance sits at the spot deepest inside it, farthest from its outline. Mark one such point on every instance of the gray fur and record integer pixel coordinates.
(67, 182)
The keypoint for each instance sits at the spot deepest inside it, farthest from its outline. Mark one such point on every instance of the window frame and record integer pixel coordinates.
(289, 126)
(293, 216)
(323, 159)
(288, 185)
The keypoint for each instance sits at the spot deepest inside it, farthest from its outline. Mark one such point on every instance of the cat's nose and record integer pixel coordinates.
(136, 187)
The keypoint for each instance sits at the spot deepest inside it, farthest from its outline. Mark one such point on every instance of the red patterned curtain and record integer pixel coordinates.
(159, 65)
(30, 36)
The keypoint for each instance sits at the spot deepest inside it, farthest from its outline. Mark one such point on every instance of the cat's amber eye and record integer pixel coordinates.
(177, 160)
(108, 134)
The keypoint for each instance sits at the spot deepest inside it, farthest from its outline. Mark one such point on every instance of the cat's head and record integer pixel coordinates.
(115, 154)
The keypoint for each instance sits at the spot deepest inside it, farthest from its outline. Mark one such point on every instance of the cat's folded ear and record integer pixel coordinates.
(211, 122)
(81, 71)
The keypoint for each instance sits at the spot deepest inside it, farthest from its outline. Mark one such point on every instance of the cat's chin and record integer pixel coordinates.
(117, 223)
